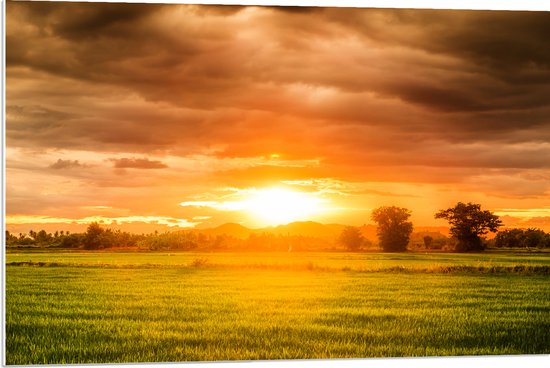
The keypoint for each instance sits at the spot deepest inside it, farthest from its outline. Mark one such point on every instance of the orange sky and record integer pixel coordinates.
(179, 115)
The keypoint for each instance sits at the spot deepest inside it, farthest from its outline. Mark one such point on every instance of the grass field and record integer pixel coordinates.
(284, 260)
(153, 307)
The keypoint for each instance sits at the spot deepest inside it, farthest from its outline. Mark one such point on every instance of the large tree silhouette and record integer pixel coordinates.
(468, 224)
(393, 229)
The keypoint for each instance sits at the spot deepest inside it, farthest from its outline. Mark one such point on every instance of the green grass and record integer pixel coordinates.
(336, 260)
(181, 311)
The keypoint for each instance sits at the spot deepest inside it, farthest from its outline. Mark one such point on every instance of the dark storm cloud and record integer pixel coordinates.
(509, 47)
(33, 118)
(252, 79)
(500, 39)
(91, 41)
(219, 10)
(297, 9)
(137, 163)
(507, 42)
(79, 21)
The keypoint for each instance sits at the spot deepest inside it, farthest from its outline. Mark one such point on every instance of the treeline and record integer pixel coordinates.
(189, 240)
(97, 238)
(468, 224)
(520, 238)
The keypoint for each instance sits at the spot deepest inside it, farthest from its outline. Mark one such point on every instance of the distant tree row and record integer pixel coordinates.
(519, 238)
(96, 238)
(43, 239)
(468, 224)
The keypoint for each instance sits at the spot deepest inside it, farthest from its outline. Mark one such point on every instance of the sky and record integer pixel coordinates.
(180, 116)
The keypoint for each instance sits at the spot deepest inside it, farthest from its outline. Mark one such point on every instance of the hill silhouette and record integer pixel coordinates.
(309, 229)
(306, 228)
(300, 228)
(231, 229)
(369, 232)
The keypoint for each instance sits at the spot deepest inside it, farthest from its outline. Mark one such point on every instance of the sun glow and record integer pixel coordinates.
(268, 206)
(275, 206)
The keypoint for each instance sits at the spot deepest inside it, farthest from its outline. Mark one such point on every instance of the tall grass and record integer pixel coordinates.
(336, 260)
(204, 262)
(194, 312)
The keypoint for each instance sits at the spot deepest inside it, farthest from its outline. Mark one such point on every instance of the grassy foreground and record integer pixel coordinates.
(182, 307)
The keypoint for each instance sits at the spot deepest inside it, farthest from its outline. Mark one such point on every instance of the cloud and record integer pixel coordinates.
(525, 218)
(210, 93)
(220, 206)
(66, 164)
(168, 221)
(137, 163)
(409, 60)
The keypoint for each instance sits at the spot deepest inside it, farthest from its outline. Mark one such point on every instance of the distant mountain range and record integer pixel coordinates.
(308, 229)
(302, 228)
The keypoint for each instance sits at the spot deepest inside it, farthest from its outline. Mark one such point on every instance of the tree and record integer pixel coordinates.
(93, 238)
(468, 223)
(428, 240)
(351, 238)
(72, 240)
(10, 238)
(393, 229)
(509, 238)
(42, 237)
(533, 238)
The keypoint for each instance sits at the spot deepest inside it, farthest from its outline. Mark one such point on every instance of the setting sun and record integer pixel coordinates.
(277, 206)
(268, 206)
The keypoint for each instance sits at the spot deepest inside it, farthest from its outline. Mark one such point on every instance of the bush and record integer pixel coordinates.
(199, 262)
